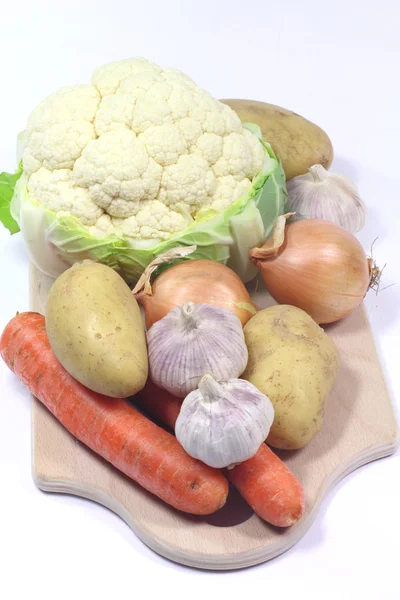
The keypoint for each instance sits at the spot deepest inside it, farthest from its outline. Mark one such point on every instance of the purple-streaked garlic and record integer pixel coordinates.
(192, 340)
(224, 423)
(320, 194)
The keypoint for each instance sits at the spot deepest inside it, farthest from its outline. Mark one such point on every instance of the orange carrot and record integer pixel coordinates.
(264, 481)
(270, 488)
(110, 426)
(159, 403)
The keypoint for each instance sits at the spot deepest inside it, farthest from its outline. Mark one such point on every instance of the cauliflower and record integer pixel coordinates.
(141, 158)
(136, 135)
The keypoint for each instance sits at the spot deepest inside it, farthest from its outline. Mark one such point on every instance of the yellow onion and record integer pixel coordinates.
(199, 281)
(315, 265)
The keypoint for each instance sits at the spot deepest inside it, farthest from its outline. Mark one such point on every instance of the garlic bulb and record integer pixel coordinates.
(225, 423)
(320, 194)
(192, 340)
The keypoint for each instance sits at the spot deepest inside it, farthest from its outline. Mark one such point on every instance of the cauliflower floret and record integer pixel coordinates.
(229, 190)
(214, 116)
(115, 112)
(190, 180)
(106, 226)
(52, 189)
(139, 83)
(121, 209)
(84, 208)
(57, 191)
(241, 189)
(164, 143)
(181, 101)
(190, 129)
(160, 90)
(75, 103)
(257, 152)
(208, 112)
(118, 172)
(236, 157)
(108, 77)
(149, 111)
(59, 128)
(174, 76)
(58, 146)
(232, 122)
(128, 227)
(209, 146)
(157, 221)
(102, 227)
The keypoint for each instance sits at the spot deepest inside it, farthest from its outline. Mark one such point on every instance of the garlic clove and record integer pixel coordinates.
(224, 423)
(194, 339)
(320, 194)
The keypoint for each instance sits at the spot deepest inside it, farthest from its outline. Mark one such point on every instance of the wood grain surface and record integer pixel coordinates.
(360, 426)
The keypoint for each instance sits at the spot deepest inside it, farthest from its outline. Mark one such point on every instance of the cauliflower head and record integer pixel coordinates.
(136, 141)
(139, 158)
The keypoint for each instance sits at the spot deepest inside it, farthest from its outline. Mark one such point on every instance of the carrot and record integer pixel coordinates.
(265, 482)
(271, 489)
(110, 426)
(159, 403)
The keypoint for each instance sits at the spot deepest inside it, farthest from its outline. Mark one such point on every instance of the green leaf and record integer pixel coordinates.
(253, 128)
(7, 187)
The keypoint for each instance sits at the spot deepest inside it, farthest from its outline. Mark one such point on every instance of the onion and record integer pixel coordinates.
(200, 281)
(315, 265)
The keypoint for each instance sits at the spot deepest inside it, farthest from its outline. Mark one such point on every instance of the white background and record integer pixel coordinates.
(336, 63)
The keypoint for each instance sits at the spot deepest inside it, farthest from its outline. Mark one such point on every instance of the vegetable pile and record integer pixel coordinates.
(142, 193)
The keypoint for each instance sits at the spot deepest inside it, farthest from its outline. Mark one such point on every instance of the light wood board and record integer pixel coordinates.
(360, 426)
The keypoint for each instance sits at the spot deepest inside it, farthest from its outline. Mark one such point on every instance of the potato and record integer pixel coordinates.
(300, 143)
(295, 363)
(96, 330)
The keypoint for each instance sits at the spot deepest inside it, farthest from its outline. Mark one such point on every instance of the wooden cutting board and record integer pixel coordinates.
(360, 426)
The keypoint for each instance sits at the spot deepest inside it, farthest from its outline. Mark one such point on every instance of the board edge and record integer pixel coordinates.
(208, 561)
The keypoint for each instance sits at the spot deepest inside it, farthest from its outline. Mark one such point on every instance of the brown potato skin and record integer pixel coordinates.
(299, 142)
(295, 363)
(96, 331)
